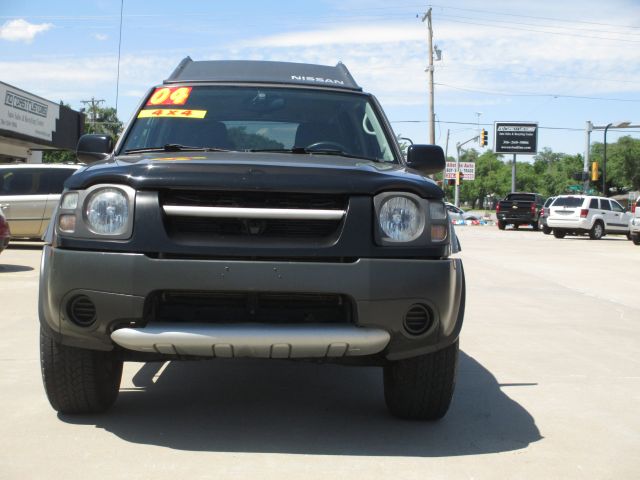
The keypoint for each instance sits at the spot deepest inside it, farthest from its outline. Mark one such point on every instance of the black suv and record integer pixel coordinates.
(253, 209)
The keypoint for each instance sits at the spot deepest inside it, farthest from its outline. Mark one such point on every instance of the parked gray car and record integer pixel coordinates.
(28, 195)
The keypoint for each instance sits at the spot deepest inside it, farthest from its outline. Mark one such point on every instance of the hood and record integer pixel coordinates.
(243, 171)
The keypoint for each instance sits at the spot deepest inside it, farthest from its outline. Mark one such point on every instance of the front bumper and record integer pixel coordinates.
(382, 291)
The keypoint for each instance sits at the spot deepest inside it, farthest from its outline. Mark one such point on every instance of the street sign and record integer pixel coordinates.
(468, 170)
(516, 137)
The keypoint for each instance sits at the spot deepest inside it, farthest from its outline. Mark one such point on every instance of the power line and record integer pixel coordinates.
(529, 74)
(537, 18)
(545, 31)
(538, 25)
(554, 95)
(475, 124)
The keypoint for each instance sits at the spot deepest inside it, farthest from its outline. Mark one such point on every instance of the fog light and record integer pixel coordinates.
(438, 233)
(67, 223)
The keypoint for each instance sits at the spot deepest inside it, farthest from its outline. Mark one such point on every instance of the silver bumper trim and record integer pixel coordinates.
(254, 340)
(258, 213)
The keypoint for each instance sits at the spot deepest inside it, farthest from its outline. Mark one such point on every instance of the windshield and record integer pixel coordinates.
(259, 119)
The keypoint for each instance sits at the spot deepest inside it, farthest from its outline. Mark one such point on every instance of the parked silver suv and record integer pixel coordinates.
(583, 214)
(28, 195)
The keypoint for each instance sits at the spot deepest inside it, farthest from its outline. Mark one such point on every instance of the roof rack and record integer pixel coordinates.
(248, 71)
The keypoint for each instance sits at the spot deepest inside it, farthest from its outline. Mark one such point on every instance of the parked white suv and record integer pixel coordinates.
(580, 214)
(634, 224)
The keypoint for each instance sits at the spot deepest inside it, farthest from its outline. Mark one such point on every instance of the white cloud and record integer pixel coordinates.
(20, 30)
(100, 36)
(343, 35)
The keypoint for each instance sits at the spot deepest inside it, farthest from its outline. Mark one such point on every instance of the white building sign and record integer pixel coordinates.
(27, 114)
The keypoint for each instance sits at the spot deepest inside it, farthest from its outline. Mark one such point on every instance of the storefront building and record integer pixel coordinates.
(30, 124)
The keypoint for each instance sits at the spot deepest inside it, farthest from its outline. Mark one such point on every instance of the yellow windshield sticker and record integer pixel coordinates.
(171, 112)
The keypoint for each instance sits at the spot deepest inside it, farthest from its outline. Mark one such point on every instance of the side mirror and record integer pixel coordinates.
(427, 159)
(94, 147)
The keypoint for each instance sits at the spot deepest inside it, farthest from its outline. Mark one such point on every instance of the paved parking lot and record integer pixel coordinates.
(549, 387)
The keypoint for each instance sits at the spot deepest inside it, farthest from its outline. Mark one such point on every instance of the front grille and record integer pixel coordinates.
(232, 227)
(248, 307)
(199, 228)
(254, 199)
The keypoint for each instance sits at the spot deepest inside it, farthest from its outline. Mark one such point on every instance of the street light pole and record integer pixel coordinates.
(604, 162)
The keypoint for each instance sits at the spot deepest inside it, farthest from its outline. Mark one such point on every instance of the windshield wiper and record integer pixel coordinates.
(175, 147)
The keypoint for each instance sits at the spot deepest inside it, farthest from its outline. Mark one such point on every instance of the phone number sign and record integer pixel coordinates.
(468, 170)
(516, 137)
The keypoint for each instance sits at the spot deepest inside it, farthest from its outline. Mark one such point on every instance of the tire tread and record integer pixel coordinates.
(78, 380)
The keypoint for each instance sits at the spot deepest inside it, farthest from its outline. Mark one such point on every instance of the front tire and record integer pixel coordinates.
(78, 380)
(559, 234)
(635, 239)
(597, 231)
(421, 388)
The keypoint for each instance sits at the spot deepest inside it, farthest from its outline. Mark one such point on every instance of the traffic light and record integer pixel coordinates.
(459, 177)
(484, 140)
(595, 174)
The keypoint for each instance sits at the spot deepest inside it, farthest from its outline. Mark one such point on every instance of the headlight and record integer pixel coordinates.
(404, 218)
(100, 211)
(107, 212)
(401, 219)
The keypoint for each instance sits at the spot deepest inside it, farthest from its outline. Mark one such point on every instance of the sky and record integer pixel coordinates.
(559, 64)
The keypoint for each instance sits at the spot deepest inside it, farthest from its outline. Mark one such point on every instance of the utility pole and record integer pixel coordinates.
(432, 116)
(585, 170)
(93, 109)
(446, 146)
(513, 174)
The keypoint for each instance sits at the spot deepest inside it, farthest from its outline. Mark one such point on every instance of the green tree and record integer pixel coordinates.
(102, 120)
(96, 120)
(623, 164)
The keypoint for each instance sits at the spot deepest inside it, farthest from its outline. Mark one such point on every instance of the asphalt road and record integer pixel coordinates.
(548, 387)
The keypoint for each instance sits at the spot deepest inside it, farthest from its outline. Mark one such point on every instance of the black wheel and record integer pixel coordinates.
(546, 230)
(78, 380)
(558, 234)
(635, 239)
(421, 388)
(597, 231)
(501, 225)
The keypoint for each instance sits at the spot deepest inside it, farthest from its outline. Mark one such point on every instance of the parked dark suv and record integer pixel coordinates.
(253, 209)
